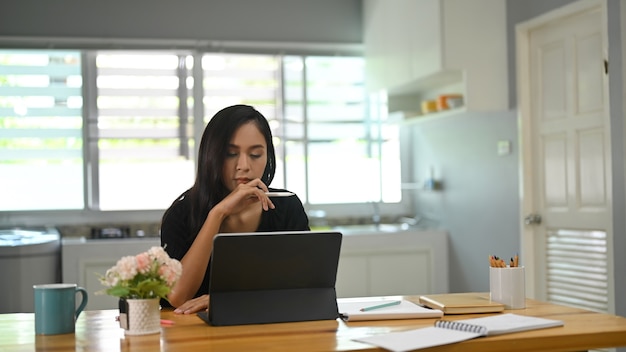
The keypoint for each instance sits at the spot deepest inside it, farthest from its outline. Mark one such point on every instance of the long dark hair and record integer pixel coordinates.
(209, 188)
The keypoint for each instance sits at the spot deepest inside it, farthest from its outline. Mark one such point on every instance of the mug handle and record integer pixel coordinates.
(83, 301)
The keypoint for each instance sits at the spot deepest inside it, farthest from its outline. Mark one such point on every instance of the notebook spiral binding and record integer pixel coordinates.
(455, 325)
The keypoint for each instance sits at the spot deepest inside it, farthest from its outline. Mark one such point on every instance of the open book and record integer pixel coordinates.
(448, 331)
(382, 309)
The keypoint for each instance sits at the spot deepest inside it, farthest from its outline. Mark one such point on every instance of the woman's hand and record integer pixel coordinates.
(244, 195)
(196, 259)
(193, 305)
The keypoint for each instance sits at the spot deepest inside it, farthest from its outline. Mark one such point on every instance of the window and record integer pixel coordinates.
(41, 138)
(140, 129)
(332, 142)
(144, 138)
(245, 79)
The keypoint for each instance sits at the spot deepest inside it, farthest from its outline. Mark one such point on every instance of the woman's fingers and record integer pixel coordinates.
(251, 192)
(193, 305)
(266, 202)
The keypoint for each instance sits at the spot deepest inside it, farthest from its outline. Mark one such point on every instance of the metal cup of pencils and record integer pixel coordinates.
(507, 282)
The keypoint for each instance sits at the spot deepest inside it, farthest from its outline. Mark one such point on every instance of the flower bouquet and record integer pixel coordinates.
(150, 274)
(140, 281)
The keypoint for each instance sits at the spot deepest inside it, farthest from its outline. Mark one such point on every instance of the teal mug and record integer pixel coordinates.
(55, 308)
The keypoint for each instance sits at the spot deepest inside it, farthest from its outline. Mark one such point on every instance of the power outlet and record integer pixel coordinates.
(504, 148)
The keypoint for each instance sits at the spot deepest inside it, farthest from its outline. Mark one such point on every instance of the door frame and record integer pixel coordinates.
(523, 62)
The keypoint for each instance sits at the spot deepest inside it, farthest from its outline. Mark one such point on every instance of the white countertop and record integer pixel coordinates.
(127, 240)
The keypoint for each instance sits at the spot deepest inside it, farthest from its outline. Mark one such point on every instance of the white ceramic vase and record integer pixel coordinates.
(143, 316)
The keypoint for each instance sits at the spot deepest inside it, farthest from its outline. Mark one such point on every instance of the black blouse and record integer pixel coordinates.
(177, 236)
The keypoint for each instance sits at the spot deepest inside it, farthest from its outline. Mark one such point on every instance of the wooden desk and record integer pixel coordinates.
(98, 331)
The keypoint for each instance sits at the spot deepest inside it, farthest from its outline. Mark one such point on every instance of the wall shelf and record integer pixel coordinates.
(404, 118)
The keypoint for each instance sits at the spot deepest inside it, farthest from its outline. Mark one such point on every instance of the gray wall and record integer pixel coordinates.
(316, 21)
(519, 11)
(617, 96)
(479, 203)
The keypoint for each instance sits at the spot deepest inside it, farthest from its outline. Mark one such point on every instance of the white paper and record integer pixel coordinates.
(404, 310)
(418, 338)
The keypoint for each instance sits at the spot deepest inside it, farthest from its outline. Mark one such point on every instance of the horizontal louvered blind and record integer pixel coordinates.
(144, 135)
(138, 106)
(118, 126)
(41, 125)
(343, 136)
(577, 268)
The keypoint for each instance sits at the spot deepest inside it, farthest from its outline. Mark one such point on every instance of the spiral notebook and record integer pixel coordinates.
(451, 331)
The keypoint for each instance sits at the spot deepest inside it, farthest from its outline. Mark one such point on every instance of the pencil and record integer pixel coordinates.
(167, 322)
(389, 304)
(496, 262)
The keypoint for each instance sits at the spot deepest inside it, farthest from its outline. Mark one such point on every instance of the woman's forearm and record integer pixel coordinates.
(196, 260)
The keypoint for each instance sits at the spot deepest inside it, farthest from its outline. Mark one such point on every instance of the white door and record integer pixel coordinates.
(566, 164)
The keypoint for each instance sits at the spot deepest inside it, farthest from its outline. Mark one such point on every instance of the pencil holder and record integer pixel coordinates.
(507, 286)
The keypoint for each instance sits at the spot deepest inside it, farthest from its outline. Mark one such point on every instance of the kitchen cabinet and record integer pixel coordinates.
(397, 263)
(84, 260)
(371, 263)
(418, 49)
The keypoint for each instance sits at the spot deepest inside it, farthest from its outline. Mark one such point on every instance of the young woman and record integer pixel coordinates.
(236, 164)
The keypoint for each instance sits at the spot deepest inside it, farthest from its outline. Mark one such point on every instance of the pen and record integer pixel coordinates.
(380, 306)
(279, 194)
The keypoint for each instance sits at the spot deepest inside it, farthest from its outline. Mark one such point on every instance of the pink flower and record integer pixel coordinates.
(143, 262)
(111, 277)
(171, 272)
(158, 254)
(126, 268)
(135, 276)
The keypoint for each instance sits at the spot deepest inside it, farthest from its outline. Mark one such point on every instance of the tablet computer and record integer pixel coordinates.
(271, 277)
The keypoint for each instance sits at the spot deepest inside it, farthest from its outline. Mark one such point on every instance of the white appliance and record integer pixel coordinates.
(28, 256)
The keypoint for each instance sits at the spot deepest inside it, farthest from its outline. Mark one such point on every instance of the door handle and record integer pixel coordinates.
(532, 219)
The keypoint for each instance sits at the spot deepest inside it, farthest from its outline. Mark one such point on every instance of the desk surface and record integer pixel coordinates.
(98, 331)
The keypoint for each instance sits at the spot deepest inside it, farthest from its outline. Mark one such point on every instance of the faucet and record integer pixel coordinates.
(410, 221)
(376, 215)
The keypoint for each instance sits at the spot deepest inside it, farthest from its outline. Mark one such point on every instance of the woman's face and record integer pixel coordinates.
(246, 156)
